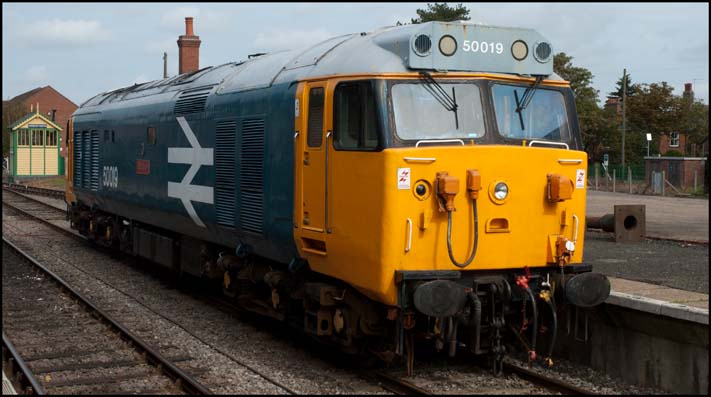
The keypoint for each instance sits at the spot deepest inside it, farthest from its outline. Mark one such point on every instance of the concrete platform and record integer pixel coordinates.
(660, 300)
(677, 218)
(672, 218)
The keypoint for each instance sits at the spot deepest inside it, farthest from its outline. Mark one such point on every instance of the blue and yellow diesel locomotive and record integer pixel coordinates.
(421, 182)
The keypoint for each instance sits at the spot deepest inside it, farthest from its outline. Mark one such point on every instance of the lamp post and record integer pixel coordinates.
(649, 139)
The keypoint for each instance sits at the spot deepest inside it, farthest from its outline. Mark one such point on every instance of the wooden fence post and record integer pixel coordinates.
(664, 180)
(629, 178)
(614, 179)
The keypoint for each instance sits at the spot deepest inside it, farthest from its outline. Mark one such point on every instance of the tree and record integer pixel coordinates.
(593, 125)
(632, 89)
(693, 120)
(654, 110)
(442, 12)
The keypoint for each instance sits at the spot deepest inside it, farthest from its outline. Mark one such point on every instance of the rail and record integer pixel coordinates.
(19, 370)
(545, 381)
(393, 384)
(183, 379)
(34, 190)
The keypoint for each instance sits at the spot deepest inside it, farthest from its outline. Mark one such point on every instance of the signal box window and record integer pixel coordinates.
(23, 138)
(51, 138)
(355, 120)
(315, 133)
(37, 138)
(151, 138)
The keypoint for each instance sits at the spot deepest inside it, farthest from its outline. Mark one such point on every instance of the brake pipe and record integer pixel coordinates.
(548, 297)
(476, 237)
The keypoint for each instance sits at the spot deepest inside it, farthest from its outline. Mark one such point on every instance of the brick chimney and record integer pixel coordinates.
(188, 49)
(688, 93)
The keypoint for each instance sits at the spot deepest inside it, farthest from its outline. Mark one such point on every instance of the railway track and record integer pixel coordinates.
(38, 210)
(58, 194)
(67, 345)
(547, 382)
(49, 215)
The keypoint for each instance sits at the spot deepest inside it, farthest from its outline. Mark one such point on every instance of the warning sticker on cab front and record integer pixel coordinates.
(580, 179)
(403, 178)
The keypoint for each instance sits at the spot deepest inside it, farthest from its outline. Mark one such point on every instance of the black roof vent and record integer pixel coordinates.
(192, 101)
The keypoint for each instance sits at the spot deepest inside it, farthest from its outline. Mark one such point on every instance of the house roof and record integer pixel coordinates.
(26, 95)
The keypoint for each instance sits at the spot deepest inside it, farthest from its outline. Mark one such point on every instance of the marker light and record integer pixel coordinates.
(447, 45)
(519, 50)
(542, 52)
(501, 190)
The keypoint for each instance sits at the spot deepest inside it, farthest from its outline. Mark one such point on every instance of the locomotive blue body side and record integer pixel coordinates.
(135, 192)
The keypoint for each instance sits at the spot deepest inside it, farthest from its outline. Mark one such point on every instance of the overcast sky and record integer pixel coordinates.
(82, 49)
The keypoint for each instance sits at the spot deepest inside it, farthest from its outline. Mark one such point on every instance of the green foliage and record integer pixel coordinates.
(441, 12)
(11, 112)
(632, 89)
(593, 125)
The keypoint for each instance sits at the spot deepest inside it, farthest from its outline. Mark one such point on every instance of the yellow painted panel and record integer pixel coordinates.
(23, 161)
(51, 158)
(369, 213)
(38, 161)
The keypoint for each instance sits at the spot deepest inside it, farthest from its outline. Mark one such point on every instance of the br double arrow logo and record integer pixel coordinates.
(196, 156)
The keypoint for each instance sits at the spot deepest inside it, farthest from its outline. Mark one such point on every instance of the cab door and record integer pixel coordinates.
(314, 159)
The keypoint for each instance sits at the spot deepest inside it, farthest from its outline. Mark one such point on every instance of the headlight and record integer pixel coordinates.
(519, 50)
(501, 191)
(447, 45)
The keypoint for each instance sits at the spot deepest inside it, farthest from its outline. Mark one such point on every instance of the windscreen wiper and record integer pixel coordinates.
(526, 98)
(449, 103)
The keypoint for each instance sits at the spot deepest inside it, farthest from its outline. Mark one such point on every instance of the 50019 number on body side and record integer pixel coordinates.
(484, 47)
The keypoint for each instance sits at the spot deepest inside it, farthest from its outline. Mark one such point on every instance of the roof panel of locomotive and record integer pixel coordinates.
(360, 53)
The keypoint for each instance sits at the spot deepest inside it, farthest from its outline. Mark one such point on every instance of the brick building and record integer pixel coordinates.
(681, 172)
(55, 106)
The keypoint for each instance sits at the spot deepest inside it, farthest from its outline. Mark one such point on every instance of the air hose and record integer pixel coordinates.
(551, 304)
(532, 353)
(476, 237)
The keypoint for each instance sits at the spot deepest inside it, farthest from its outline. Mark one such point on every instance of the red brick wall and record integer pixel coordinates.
(49, 99)
(664, 144)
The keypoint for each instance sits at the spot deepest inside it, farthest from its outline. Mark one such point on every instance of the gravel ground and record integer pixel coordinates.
(673, 264)
(165, 316)
(583, 377)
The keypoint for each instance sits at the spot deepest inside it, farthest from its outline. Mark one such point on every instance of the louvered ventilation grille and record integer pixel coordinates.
(191, 101)
(95, 160)
(315, 132)
(225, 172)
(77, 158)
(86, 160)
(251, 170)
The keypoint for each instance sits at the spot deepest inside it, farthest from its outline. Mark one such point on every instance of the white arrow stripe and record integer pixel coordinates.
(196, 156)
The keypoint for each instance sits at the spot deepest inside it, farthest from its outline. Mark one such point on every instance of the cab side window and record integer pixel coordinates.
(355, 119)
